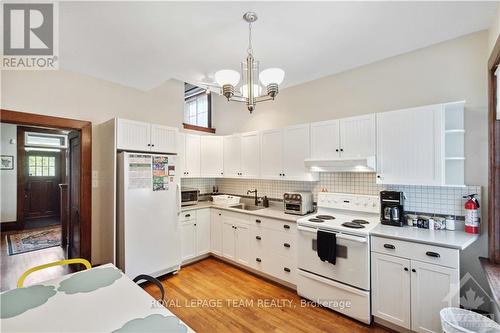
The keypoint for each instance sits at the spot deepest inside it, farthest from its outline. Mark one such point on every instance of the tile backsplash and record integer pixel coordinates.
(430, 199)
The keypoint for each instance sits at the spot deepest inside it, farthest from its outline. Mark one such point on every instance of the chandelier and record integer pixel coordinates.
(250, 92)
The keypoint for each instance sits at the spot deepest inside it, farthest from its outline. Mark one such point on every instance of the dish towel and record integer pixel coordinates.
(327, 246)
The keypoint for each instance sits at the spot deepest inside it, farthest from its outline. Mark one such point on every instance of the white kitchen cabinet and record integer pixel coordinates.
(412, 282)
(232, 156)
(242, 239)
(216, 231)
(228, 240)
(409, 146)
(235, 237)
(203, 231)
(181, 155)
(283, 152)
(391, 289)
(357, 136)
(250, 155)
(188, 240)
(325, 139)
(433, 288)
(140, 136)
(271, 154)
(211, 156)
(133, 135)
(192, 156)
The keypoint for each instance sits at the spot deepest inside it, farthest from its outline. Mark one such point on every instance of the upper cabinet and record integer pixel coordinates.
(421, 146)
(211, 156)
(232, 156)
(135, 135)
(343, 138)
(409, 146)
(191, 160)
(250, 155)
(283, 152)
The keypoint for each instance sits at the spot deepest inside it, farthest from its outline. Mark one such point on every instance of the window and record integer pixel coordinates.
(45, 140)
(197, 109)
(42, 166)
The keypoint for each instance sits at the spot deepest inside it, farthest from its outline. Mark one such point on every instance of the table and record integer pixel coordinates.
(101, 299)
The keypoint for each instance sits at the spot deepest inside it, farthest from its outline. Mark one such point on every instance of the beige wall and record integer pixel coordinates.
(450, 71)
(71, 95)
(8, 178)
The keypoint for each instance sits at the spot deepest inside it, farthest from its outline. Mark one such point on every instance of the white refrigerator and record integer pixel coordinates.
(148, 234)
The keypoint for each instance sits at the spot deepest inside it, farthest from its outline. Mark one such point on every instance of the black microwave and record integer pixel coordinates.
(189, 196)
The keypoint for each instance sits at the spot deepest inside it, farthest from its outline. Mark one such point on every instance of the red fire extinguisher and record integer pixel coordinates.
(471, 214)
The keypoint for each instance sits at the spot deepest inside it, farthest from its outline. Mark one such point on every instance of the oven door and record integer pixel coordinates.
(353, 258)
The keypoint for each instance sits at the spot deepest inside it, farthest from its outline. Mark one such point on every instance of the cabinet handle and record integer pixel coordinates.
(258, 259)
(341, 149)
(257, 221)
(286, 245)
(413, 270)
(286, 269)
(149, 145)
(336, 150)
(406, 269)
(220, 214)
(195, 224)
(286, 226)
(378, 176)
(152, 145)
(389, 246)
(284, 175)
(222, 173)
(258, 238)
(433, 254)
(187, 215)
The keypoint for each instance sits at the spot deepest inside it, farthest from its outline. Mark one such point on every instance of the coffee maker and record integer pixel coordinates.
(392, 208)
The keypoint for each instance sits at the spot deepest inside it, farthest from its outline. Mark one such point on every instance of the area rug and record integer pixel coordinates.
(33, 240)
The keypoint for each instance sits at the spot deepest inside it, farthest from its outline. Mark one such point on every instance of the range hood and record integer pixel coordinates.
(349, 164)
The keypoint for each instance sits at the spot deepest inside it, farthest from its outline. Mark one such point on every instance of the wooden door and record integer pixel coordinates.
(433, 288)
(74, 195)
(41, 186)
(391, 289)
(271, 154)
(250, 155)
(232, 156)
(211, 158)
(325, 142)
(409, 146)
(296, 148)
(357, 136)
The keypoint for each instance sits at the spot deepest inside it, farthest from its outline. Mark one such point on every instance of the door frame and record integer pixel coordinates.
(85, 130)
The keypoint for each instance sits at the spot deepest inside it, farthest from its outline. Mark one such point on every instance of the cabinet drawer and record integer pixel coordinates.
(259, 238)
(281, 243)
(284, 268)
(274, 224)
(416, 251)
(187, 216)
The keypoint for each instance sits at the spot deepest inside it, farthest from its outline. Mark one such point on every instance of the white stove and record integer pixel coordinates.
(350, 218)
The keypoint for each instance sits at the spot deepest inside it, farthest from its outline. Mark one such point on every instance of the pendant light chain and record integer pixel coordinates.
(250, 50)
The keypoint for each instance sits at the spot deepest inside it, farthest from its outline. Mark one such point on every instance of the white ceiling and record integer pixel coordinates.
(142, 44)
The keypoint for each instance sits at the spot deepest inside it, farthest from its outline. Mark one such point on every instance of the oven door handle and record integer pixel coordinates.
(307, 229)
(333, 283)
(352, 238)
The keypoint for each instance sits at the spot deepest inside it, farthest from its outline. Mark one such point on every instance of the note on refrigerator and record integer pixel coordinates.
(139, 171)
(160, 166)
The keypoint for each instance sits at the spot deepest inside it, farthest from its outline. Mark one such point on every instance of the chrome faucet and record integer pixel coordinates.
(256, 198)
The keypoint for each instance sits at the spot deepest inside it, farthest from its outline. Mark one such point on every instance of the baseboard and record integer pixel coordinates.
(390, 326)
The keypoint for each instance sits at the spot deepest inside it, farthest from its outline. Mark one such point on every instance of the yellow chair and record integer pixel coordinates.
(84, 262)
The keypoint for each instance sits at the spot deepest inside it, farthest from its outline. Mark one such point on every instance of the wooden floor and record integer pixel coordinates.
(238, 303)
(11, 267)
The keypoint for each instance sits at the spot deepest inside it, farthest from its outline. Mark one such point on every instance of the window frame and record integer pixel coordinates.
(209, 128)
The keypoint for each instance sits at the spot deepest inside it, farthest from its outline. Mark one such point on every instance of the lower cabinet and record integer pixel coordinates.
(235, 237)
(195, 233)
(410, 292)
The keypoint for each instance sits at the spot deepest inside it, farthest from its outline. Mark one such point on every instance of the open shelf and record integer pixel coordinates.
(454, 144)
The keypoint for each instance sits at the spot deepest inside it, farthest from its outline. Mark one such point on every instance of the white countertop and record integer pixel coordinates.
(275, 211)
(446, 238)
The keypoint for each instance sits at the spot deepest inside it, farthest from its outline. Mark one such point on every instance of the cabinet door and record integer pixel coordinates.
(181, 155)
(271, 154)
(202, 231)
(357, 136)
(211, 160)
(433, 288)
(216, 231)
(250, 155)
(192, 160)
(296, 148)
(228, 239)
(242, 247)
(391, 289)
(133, 135)
(163, 139)
(188, 240)
(325, 139)
(409, 146)
(232, 156)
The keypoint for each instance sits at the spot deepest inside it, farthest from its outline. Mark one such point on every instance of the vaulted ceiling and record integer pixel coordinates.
(142, 44)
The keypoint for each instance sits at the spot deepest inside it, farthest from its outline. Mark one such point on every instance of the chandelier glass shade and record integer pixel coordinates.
(251, 91)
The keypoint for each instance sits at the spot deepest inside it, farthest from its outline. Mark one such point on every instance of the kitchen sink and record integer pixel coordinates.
(243, 206)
